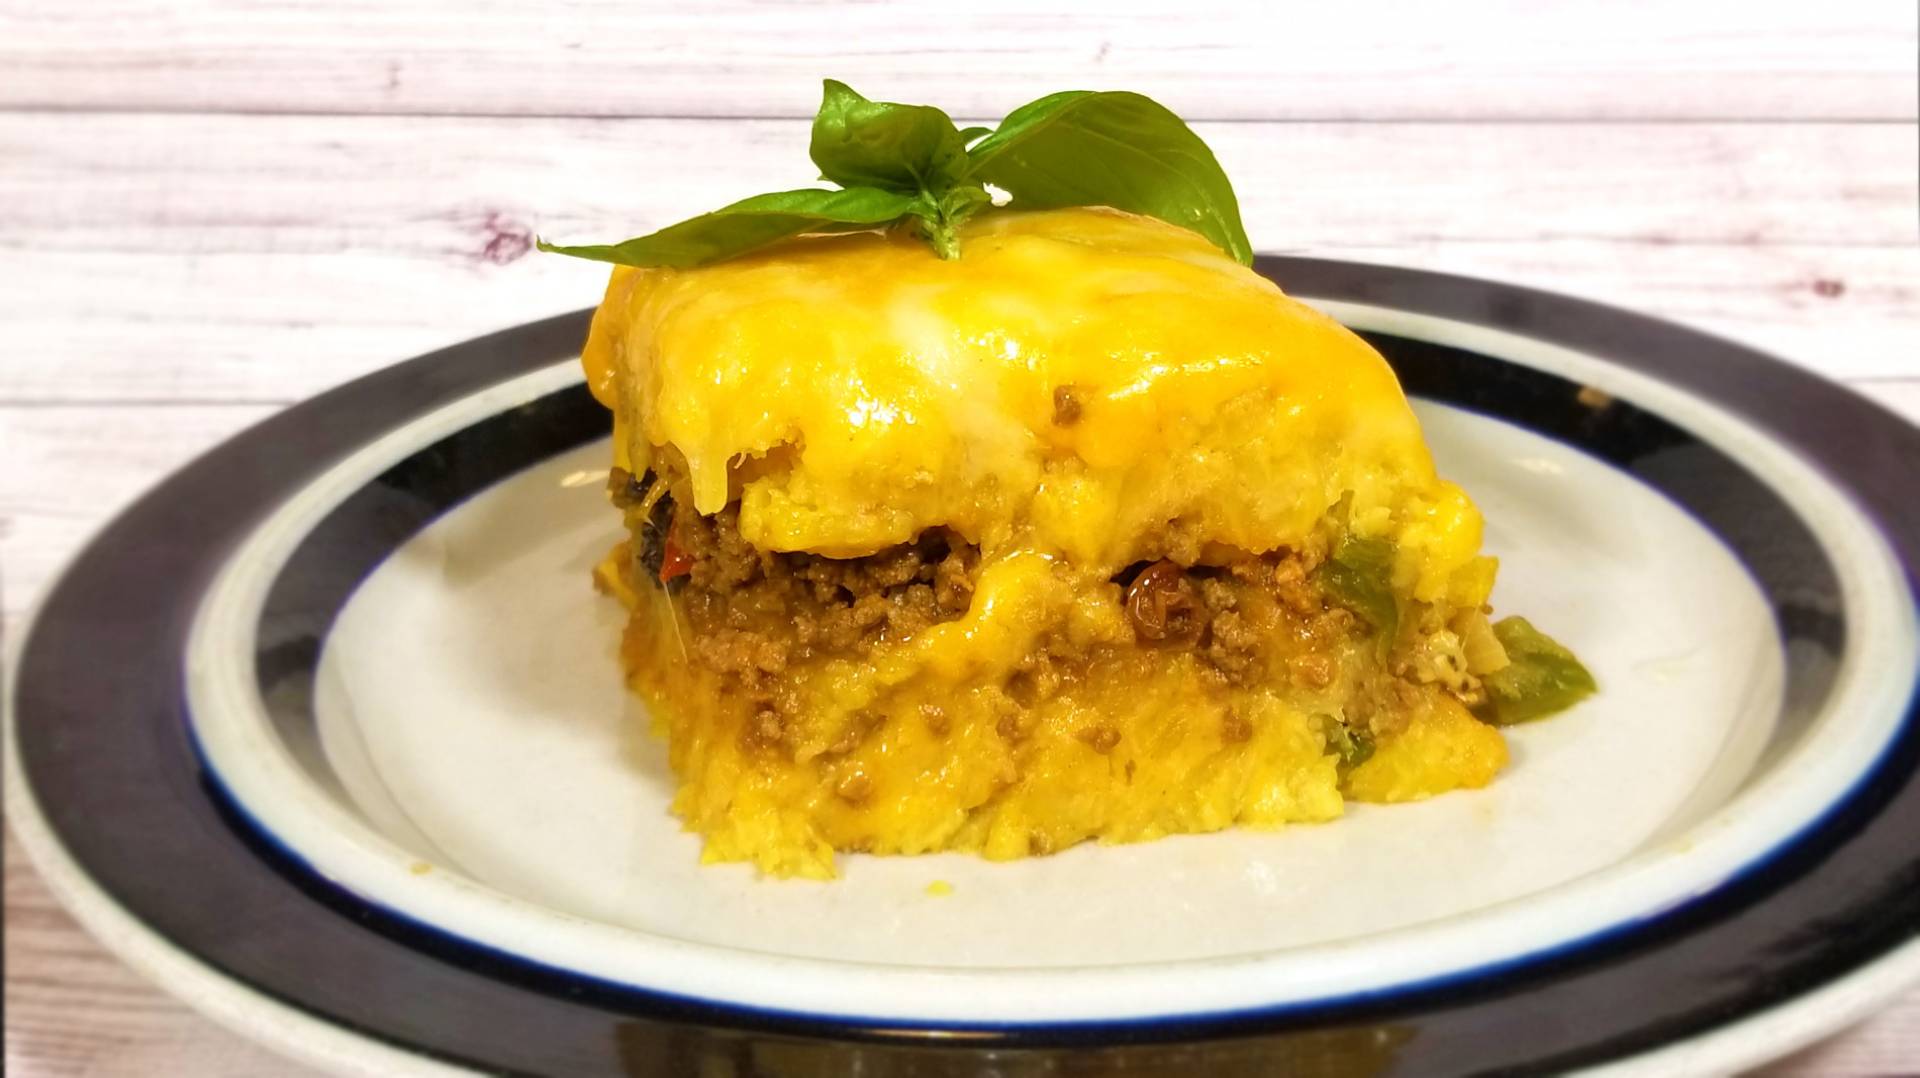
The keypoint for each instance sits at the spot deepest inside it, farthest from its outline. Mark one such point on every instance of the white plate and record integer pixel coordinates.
(459, 769)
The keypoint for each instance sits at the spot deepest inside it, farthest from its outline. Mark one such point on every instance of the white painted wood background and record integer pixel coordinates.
(211, 209)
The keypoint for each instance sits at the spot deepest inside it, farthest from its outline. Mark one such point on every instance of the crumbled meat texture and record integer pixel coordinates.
(1232, 645)
(1066, 406)
(1290, 583)
(1257, 600)
(854, 788)
(754, 614)
(1183, 541)
(1313, 670)
(1100, 739)
(1044, 672)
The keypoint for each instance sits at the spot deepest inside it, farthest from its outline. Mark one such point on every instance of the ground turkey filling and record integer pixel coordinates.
(754, 614)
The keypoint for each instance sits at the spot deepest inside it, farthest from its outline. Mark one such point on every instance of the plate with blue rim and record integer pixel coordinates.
(326, 734)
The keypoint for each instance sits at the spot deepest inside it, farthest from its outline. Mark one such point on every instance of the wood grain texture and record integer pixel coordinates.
(429, 185)
(73, 1011)
(1214, 59)
(1900, 395)
(233, 258)
(63, 479)
(1884, 1046)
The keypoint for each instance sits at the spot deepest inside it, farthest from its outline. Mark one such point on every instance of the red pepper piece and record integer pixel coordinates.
(673, 560)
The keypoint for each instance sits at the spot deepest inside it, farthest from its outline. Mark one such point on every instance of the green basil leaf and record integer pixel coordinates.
(1124, 150)
(862, 143)
(1540, 678)
(970, 134)
(749, 224)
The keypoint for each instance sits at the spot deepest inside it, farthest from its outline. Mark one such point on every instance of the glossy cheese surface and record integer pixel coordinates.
(1082, 385)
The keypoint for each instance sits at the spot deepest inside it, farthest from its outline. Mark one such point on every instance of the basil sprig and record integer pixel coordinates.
(1112, 149)
(909, 164)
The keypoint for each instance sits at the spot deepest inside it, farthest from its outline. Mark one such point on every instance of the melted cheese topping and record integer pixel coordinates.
(853, 391)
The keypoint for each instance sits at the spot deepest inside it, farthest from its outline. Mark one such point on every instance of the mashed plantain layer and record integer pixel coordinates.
(1090, 534)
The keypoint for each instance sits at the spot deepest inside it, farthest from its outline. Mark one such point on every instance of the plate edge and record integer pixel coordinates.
(237, 1008)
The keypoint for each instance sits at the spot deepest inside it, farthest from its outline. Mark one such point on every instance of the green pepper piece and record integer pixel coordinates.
(1541, 678)
(1359, 574)
(1353, 747)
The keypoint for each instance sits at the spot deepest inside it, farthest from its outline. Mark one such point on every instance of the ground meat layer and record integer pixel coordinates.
(755, 615)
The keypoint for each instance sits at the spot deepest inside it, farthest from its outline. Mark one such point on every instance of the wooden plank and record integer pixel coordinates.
(1886, 1045)
(73, 1010)
(247, 258)
(64, 480)
(1902, 395)
(435, 184)
(1364, 59)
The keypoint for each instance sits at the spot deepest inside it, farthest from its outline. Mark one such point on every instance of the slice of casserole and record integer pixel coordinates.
(1092, 533)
